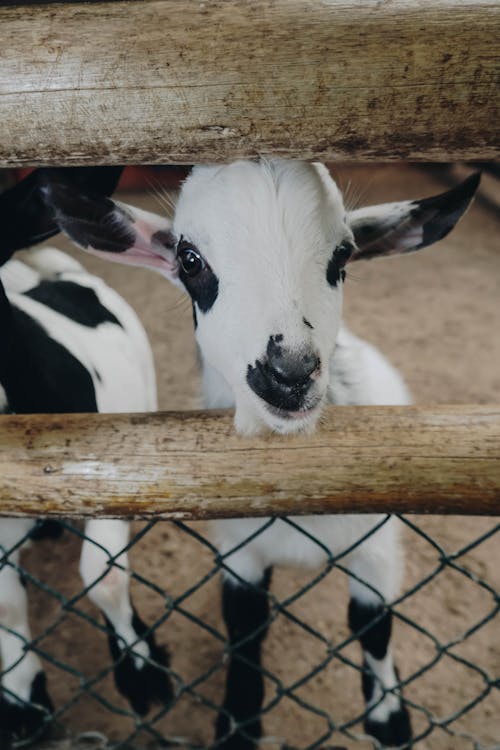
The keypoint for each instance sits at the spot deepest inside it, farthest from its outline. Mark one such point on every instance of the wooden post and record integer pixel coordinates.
(157, 81)
(192, 465)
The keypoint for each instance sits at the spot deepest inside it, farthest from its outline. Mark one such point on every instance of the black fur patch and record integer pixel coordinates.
(395, 732)
(333, 271)
(38, 374)
(440, 213)
(375, 639)
(203, 288)
(74, 301)
(24, 215)
(340, 256)
(46, 528)
(367, 682)
(146, 686)
(165, 238)
(30, 721)
(246, 614)
(91, 220)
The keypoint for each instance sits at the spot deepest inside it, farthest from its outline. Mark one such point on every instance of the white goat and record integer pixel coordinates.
(261, 248)
(67, 343)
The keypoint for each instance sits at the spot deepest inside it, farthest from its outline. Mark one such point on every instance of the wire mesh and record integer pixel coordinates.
(445, 636)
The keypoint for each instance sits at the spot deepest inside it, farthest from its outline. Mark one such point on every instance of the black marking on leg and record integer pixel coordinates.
(148, 684)
(395, 732)
(376, 622)
(367, 682)
(27, 721)
(376, 636)
(307, 323)
(246, 614)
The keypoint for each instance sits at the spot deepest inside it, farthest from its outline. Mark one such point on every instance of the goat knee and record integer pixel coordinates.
(140, 665)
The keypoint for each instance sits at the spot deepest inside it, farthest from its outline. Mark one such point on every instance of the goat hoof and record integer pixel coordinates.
(395, 732)
(27, 722)
(145, 684)
(236, 741)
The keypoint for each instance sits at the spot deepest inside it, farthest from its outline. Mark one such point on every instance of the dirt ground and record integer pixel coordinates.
(436, 314)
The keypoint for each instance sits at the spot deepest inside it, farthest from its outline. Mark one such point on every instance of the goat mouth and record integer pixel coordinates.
(295, 415)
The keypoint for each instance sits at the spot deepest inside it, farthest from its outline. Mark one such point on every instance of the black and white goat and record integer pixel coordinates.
(68, 343)
(261, 247)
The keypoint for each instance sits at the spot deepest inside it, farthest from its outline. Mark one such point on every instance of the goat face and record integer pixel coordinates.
(260, 247)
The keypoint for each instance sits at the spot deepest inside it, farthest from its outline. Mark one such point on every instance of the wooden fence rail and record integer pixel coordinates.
(192, 465)
(158, 81)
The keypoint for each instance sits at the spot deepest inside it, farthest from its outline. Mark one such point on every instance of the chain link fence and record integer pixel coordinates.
(445, 638)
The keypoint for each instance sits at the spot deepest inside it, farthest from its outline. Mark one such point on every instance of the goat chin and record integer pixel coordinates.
(250, 422)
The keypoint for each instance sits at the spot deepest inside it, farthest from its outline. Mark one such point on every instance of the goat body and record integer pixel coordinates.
(262, 249)
(69, 343)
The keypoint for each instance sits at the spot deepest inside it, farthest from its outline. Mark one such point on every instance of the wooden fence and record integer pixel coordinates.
(192, 465)
(177, 81)
(157, 81)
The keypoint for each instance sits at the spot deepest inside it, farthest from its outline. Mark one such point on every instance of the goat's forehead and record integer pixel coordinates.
(259, 197)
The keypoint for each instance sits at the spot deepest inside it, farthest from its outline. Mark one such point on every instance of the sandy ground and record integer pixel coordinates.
(437, 315)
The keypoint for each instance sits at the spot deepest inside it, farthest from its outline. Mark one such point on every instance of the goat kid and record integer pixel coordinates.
(68, 343)
(261, 248)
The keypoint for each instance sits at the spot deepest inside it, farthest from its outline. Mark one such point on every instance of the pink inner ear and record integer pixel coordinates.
(142, 256)
(148, 251)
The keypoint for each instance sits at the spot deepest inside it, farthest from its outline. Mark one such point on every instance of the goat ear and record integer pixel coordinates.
(394, 228)
(24, 216)
(113, 230)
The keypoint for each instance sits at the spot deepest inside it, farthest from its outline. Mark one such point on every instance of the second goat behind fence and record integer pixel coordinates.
(68, 343)
(262, 249)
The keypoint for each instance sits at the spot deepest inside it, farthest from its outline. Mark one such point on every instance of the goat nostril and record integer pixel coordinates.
(311, 363)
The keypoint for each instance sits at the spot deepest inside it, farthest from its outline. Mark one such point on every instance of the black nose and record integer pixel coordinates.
(289, 367)
(283, 376)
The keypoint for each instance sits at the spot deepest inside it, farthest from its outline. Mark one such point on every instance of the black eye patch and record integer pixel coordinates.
(335, 269)
(198, 278)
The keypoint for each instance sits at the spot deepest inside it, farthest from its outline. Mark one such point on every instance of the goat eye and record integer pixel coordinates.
(343, 252)
(191, 261)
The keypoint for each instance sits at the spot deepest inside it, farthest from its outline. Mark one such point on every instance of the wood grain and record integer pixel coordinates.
(178, 81)
(192, 465)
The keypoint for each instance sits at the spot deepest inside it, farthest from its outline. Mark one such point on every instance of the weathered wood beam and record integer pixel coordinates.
(192, 465)
(178, 81)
